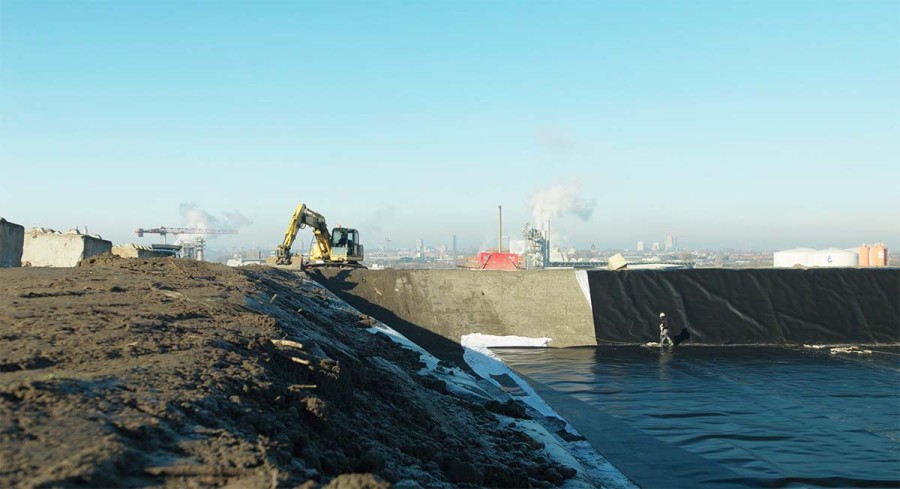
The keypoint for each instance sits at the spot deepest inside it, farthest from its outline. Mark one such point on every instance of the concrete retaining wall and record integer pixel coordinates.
(12, 237)
(452, 303)
(48, 248)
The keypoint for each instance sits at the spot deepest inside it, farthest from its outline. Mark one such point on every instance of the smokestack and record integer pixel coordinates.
(547, 248)
(500, 229)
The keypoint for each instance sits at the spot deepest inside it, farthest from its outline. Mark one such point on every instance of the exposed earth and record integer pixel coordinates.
(163, 372)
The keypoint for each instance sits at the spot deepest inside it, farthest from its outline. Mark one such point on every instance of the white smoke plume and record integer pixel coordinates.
(235, 219)
(558, 201)
(195, 217)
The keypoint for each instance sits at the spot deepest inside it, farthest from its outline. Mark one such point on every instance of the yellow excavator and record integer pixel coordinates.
(340, 247)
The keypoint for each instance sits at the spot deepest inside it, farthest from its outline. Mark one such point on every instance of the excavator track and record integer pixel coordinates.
(336, 266)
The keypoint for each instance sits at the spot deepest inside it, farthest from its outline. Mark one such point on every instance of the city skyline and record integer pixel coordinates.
(763, 125)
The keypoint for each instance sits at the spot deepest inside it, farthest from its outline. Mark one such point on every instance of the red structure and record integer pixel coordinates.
(492, 260)
(495, 260)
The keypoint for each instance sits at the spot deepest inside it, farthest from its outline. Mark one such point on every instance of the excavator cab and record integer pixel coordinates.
(345, 245)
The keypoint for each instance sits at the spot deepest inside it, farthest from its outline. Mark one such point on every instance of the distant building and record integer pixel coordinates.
(454, 245)
(420, 248)
(655, 246)
(640, 246)
(671, 243)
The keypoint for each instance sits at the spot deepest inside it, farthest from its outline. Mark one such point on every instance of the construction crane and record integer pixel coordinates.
(163, 231)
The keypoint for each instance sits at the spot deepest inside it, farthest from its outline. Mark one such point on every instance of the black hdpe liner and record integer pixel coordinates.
(728, 416)
(748, 306)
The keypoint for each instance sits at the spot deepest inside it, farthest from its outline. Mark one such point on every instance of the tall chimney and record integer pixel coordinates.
(547, 253)
(500, 229)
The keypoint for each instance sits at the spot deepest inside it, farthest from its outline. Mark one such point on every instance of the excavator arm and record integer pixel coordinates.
(304, 216)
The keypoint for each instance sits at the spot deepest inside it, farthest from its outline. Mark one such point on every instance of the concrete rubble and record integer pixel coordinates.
(617, 262)
(11, 241)
(131, 250)
(49, 248)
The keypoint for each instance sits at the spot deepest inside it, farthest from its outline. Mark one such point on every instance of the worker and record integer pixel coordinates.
(664, 339)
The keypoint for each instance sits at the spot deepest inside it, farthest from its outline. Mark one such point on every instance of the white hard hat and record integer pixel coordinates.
(662, 314)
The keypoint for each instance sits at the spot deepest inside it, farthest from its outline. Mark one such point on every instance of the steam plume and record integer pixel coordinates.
(195, 217)
(560, 200)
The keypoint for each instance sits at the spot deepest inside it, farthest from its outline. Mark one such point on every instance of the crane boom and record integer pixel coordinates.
(163, 230)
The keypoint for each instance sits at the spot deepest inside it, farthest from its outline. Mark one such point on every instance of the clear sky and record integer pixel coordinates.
(747, 124)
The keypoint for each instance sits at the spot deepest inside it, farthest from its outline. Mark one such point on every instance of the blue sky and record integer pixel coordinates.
(756, 124)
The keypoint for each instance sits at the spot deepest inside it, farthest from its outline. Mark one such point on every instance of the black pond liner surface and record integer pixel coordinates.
(729, 416)
(766, 306)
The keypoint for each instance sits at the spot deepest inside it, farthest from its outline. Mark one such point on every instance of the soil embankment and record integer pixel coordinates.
(133, 372)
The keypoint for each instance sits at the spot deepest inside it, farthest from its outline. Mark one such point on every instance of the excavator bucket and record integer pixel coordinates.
(294, 262)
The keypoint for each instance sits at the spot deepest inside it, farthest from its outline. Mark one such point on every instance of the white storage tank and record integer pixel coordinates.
(833, 257)
(794, 257)
(808, 257)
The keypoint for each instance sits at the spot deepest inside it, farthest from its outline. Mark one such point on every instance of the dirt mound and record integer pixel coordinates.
(126, 372)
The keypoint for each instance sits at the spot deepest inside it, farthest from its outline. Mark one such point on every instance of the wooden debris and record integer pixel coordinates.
(290, 343)
(192, 471)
